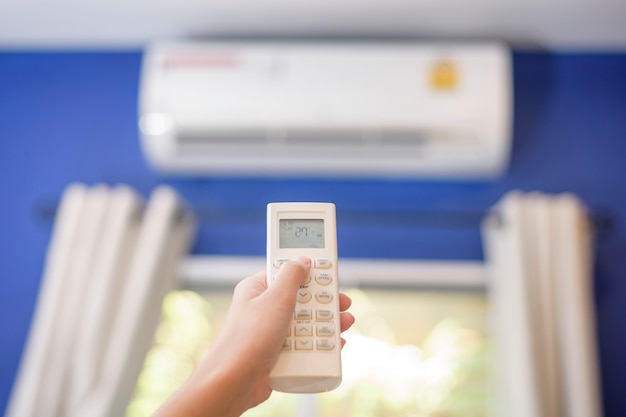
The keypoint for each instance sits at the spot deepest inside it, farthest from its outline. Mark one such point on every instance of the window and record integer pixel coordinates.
(411, 353)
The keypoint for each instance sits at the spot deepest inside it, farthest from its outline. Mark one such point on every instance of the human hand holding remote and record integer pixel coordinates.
(234, 375)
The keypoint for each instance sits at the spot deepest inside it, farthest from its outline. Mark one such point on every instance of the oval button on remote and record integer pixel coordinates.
(304, 296)
(324, 315)
(279, 262)
(322, 263)
(324, 297)
(323, 278)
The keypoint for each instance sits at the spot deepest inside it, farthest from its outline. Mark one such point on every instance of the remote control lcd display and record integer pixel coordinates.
(301, 233)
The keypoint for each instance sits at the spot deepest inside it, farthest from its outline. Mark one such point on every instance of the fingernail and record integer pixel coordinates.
(304, 260)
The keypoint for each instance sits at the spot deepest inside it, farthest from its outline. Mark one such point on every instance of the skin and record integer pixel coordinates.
(234, 375)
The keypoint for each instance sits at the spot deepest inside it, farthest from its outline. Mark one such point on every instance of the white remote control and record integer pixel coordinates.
(310, 359)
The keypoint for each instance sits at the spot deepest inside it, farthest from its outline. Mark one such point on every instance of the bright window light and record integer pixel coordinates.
(410, 353)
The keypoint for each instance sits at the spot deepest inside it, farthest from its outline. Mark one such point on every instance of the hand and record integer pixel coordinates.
(234, 376)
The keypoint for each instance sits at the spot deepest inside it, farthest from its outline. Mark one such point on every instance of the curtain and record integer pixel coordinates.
(539, 258)
(111, 260)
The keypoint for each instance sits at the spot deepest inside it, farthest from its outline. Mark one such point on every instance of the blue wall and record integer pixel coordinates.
(72, 117)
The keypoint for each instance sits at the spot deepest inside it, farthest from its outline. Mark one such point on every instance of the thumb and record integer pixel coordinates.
(288, 280)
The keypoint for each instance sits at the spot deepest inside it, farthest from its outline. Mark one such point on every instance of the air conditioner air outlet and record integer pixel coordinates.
(312, 138)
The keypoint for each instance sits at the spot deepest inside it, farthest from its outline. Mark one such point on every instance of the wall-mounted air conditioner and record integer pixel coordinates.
(331, 109)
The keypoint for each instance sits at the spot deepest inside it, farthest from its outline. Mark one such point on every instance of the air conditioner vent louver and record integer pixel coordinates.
(326, 139)
(219, 138)
(300, 138)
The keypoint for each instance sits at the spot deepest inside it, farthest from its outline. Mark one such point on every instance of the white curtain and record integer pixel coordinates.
(539, 260)
(111, 259)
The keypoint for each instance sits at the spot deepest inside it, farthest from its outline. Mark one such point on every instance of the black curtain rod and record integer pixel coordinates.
(602, 220)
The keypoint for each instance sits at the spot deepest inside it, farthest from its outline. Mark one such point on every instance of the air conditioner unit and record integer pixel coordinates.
(327, 109)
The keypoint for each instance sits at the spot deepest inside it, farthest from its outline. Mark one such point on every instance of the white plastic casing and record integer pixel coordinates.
(436, 110)
(307, 371)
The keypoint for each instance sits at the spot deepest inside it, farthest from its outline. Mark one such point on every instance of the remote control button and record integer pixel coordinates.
(303, 314)
(279, 262)
(286, 345)
(304, 344)
(325, 344)
(324, 297)
(304, 330)
(324, 278)
(304, 296)
(325, 330)
(322, 263)
(324, 315)
(307, 280)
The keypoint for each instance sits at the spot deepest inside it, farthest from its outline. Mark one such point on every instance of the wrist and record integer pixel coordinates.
(229, 389)
(219, 386)
(227, 381)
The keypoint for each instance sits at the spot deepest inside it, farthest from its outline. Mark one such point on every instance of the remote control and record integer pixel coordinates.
(310, 357)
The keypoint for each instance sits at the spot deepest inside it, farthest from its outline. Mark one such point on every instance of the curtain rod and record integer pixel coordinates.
(603, 220)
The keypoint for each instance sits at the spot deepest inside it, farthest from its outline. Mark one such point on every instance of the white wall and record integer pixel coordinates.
(553, 24)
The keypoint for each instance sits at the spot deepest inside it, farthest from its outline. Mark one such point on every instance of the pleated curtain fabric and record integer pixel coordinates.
(111, 260)
(539, 259)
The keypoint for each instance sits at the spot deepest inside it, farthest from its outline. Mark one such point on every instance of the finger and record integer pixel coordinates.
(343, 342)
(251, 286)
(346, 321)
(288, 279)
(344, 302)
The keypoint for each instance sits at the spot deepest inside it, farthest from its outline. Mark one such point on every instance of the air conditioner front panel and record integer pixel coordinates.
(343, 103)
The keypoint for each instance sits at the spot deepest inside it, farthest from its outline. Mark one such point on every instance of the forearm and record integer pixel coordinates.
(220, 392)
